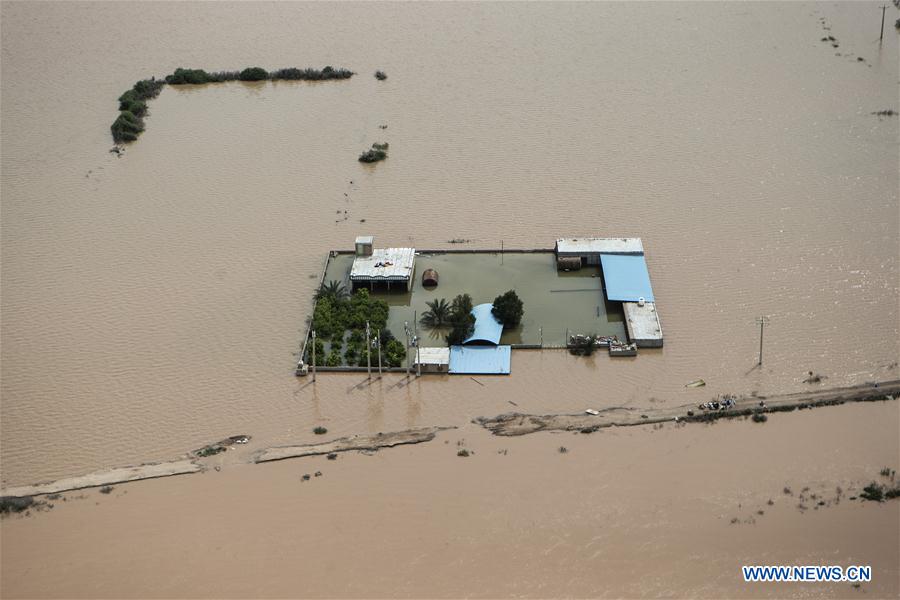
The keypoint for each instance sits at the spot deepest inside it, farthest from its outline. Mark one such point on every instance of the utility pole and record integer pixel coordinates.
(406, 329)
(762, 324)
(378, 341)
(368, 352)
(881, 37)
(501, 252)
(314, 355)
(416, 343)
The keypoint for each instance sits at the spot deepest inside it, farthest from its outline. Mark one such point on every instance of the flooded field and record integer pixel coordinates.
(153, 303)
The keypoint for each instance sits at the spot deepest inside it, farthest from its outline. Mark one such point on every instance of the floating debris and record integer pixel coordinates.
(695, 384)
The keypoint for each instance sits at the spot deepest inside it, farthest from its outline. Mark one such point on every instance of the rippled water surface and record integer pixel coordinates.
(152, 303)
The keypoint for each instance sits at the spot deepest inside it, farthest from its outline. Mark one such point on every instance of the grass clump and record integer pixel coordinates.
(320, 430)
(376, 153)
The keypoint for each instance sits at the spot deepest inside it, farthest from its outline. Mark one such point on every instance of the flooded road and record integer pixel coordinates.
(625, 512)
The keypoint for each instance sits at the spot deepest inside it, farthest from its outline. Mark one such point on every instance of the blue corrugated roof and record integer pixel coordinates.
(479, 360)
(626, 278)
(487, 327)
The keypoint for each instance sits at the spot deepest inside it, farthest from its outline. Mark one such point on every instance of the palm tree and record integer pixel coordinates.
(437, 315)
(333, 289)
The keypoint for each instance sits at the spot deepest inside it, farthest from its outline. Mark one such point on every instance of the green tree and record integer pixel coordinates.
(461, 308)
(508, 309)
(395, 352)
(254, 74)
(334, 359)
(437, 315)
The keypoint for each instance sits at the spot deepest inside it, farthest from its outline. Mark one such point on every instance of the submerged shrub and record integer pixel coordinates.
(380, 75)
(873, 492)
(759, 418)
(320, 430)
(126, 127)
(376, 153)
(254, 74)
(14, 504)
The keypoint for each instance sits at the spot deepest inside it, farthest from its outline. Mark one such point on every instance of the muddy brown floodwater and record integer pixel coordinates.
(152, 303)
(630, 512)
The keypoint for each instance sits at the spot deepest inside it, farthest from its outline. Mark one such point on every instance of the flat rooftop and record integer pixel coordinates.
(643, 324)
(385, 264)
(589, 245)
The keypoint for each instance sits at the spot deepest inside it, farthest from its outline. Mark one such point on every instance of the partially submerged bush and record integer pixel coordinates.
(320, 430)
(15, 504)
(106, 489)
(328, 72)
(127, 127)
(759, 418)
(463, 453)
(376, 153)
(254, 74)
(380, 75)
(873, 492)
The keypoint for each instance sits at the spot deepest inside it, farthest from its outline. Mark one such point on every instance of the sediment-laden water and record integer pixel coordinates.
(153, 303)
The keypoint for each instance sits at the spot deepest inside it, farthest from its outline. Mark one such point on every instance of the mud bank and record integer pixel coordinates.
(512, 424)
(108, 477)
(357, 442)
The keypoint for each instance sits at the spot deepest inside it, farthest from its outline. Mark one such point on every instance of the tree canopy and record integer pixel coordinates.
(508, 309)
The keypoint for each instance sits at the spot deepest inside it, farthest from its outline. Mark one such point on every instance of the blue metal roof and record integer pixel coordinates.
(487, 327)
(479, 360)
(626, 278)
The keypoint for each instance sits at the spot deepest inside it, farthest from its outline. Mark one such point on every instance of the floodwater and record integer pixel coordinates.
(628, 512)
(153, 303)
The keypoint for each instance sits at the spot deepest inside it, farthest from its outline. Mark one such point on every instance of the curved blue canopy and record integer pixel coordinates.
(487, 327)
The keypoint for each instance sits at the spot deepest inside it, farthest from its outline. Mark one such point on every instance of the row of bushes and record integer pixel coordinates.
(133, 103)
(199, 76)
(132, 108)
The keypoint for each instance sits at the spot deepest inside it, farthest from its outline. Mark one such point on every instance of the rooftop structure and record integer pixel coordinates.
(364, 245)
(480, 360)
(626, 278)
(594, 246)
(433, 360)
(643, 325)
(487, 328)
(384, 265)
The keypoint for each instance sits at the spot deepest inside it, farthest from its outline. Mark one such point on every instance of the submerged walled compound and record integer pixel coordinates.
(373, 311)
